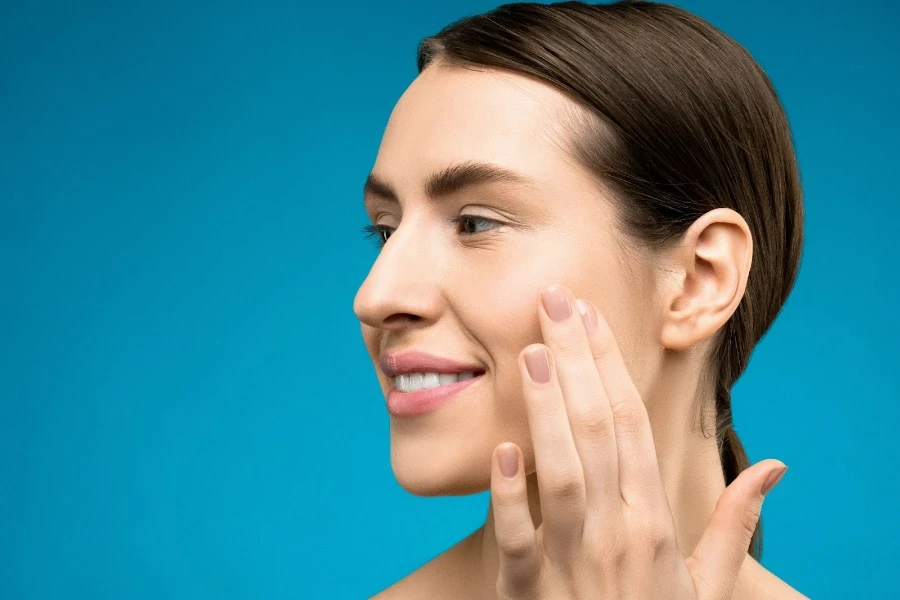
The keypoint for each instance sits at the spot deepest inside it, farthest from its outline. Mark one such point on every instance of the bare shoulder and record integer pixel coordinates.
(418, 584)
(756, 581)
(438, 579)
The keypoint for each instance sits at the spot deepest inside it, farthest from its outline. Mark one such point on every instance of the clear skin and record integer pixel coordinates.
(473, 291)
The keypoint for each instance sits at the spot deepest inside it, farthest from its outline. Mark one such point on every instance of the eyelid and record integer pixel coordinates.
(456, 219)
(376, 231)
(463, 217)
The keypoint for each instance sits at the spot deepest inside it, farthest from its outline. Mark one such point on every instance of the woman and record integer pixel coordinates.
(588, 216)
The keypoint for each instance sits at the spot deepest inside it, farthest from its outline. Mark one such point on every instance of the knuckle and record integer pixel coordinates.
(593, 424)
(517, 546)
(604, 348)
(630, 415)
(653, 535)
(657, 536)
(564, 484)
(749, 517)
(507, 498)
(568, 346)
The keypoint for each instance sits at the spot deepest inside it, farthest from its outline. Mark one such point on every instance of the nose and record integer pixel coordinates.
(403, 287)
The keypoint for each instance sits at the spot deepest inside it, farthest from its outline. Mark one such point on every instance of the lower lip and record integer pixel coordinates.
(407, 404)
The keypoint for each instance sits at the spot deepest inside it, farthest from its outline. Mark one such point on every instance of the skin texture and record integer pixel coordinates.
(475, 297)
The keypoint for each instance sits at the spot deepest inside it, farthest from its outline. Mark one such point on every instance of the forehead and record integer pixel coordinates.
(450, 114)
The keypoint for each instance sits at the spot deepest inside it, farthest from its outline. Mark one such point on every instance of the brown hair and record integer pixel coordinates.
(680, 120)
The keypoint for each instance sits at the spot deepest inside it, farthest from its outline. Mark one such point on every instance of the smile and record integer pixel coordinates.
(413, 382)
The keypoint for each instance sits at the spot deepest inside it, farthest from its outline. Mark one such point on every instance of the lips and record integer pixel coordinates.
(417, 361)
(420, 402)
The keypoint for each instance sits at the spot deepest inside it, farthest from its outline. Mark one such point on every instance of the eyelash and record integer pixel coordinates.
(375, 231)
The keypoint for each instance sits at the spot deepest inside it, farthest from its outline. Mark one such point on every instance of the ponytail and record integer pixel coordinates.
(733, 456)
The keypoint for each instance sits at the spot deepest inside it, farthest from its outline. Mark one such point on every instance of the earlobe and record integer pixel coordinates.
(712, 262)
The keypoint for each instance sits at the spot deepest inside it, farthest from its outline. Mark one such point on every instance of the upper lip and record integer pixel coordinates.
(417, 361)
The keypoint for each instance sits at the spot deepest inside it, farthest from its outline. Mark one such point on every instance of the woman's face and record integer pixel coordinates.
(469, 290)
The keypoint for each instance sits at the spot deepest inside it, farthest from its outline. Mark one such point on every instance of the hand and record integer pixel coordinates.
(607, 529)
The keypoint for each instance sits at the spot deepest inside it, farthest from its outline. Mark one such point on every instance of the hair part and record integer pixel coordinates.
(680, 120)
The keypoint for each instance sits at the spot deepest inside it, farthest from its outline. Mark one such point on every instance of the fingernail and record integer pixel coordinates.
(509, 460)
(556, 303)
(773, 478)
(538, 365)
(588, 316)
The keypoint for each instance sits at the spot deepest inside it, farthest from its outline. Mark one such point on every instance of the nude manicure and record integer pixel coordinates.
(556, 303)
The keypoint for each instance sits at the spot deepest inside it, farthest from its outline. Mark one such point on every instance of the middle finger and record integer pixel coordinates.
(589, 413)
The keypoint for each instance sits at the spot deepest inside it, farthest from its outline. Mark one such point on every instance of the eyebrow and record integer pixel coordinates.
(450, 180)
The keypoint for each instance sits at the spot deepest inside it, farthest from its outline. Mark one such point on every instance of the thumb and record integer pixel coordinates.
(718, 557)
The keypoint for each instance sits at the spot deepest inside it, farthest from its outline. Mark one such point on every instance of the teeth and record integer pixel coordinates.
(413, 382)
(445, 378)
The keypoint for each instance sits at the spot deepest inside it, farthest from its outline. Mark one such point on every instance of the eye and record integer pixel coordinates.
(375, 232)
(474, 219)
(381, 233)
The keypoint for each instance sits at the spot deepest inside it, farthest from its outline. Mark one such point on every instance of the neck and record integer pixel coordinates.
(690, 468)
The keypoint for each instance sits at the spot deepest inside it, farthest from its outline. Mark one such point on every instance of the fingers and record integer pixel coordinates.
(514, 529)
(639, 479)
(559, 476)
(590, 417)
(718, 557)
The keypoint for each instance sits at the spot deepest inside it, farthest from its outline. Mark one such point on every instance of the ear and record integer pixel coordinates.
(704, 278)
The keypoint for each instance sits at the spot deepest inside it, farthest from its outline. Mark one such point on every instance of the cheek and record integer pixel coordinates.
(638, 341)
(633, 313)
(507, 322)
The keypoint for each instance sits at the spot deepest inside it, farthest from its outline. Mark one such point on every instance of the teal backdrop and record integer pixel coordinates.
(186, 406)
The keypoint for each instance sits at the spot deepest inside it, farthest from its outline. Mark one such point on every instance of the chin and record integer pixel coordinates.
(430, 472)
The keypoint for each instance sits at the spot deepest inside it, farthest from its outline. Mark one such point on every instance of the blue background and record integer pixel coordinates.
(186, 406)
